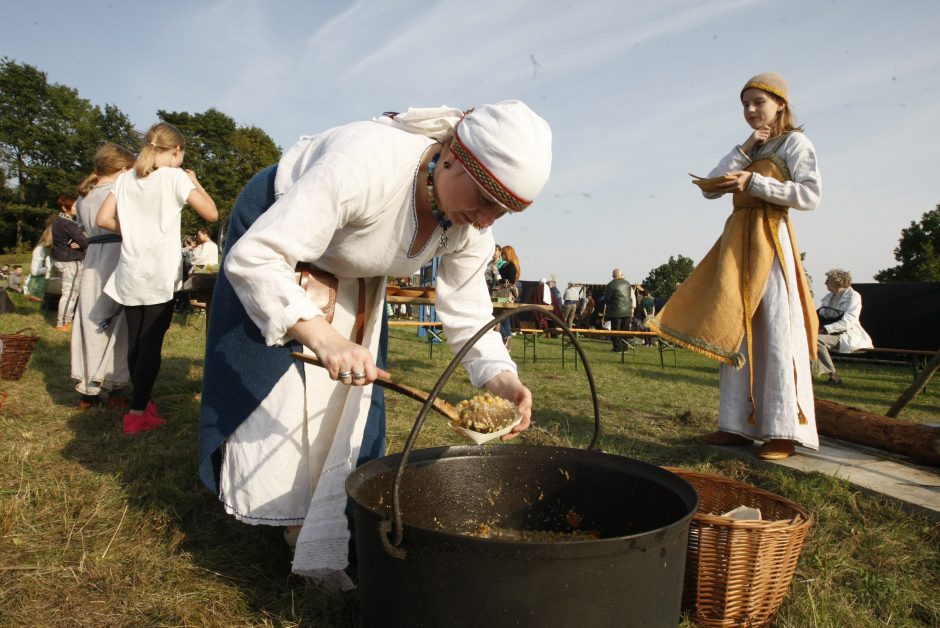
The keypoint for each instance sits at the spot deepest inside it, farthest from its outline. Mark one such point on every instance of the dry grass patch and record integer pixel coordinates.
(98, 529)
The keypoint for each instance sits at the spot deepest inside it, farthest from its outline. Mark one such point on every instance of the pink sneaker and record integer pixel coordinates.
(136, 423)
(151, 413)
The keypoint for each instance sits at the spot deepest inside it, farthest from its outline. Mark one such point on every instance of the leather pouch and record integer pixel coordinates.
(320, 287)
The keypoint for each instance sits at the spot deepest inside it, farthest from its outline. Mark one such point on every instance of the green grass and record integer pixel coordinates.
(99, 529)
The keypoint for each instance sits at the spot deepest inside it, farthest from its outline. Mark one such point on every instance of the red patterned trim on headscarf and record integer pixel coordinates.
(485, 178)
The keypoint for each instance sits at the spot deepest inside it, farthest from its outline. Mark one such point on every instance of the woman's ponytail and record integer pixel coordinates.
(108, 159)
(85, 186)
(161, 137)
(146, 161)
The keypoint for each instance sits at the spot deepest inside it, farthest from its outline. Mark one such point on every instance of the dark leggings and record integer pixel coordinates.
(146, 327)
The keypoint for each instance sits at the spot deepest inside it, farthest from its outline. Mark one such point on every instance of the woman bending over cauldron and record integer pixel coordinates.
(351, 206)
(748, 304)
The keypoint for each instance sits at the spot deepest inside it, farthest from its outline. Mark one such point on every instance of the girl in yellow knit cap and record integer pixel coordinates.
(748, 304)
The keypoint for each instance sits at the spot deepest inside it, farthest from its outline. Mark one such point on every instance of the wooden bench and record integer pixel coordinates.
(529, 336)
(917, 358)
(662, 345)
(432, 327)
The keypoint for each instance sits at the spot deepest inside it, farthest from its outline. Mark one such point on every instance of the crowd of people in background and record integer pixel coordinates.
(114, 251)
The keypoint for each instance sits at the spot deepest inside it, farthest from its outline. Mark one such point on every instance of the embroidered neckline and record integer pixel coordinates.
(439, 216)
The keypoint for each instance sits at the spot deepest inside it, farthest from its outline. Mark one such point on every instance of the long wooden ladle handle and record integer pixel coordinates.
(445, 408)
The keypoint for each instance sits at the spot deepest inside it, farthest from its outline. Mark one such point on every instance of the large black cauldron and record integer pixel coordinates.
(422, 562)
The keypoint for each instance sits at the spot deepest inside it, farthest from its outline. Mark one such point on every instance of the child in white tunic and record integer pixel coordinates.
(145, 206)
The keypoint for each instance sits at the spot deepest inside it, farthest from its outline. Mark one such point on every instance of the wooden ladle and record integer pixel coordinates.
(445, 408)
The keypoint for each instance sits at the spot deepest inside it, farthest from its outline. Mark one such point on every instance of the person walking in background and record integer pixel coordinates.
(509, 274)
(618, 308)
(573, 295)
(40, 265)
(99, 337)
(586, 315)
(647, 309)
(839, 325)
(68, 251)
(206, 252)
(556, 295)
(145, 206)
(747, 304)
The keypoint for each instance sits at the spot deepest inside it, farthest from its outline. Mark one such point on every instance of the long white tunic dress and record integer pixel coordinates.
(346, 204)
(783, 388)
(99, 354)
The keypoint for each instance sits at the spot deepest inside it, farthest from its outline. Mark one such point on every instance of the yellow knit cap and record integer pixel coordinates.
(769, 82)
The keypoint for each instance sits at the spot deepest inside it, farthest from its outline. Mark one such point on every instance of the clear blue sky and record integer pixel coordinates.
(638, 94)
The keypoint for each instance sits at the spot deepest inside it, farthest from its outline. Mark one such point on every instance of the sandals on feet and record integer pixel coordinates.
(777, 449)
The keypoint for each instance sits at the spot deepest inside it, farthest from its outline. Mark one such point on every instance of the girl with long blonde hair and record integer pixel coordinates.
(145, 206)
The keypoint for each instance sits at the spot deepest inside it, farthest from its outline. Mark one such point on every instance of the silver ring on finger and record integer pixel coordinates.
(344, 374)
(358, 376)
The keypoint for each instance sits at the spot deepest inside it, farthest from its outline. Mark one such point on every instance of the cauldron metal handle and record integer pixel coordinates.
(392, 546)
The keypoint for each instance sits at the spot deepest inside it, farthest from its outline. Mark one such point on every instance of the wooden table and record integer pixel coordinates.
(431, 327)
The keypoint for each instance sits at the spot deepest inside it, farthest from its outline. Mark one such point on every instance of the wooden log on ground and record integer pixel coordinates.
(920, 442)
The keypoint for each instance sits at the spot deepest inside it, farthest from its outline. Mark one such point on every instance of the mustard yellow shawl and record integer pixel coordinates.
(711, 311)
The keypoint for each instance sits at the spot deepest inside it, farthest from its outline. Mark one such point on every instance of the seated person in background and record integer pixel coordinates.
(15, 279)
(839, 326)
(189, 243)
(206, 252)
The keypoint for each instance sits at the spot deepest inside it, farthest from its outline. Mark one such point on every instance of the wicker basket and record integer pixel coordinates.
(16, 351)
(737, 572)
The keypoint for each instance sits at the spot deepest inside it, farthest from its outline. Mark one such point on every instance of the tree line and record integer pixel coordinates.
(49, 135)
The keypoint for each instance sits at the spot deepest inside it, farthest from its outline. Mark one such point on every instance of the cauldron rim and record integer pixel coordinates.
(388, 464)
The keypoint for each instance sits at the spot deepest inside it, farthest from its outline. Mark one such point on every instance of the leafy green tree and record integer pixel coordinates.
(24, 105)
(21, 226)
(663, 279)
(223, 155)
(48, 134)
(918, 252)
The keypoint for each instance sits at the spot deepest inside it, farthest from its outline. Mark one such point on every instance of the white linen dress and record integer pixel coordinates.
(345, 204)
(783, 386)
(99, 355)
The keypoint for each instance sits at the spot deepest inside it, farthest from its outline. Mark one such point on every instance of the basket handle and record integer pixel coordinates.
(29, 329)
(392, 546)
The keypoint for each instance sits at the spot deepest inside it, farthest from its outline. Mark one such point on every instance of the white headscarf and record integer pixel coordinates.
(435, 122)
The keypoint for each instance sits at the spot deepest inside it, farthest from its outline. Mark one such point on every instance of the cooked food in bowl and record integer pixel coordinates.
(485, 413)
